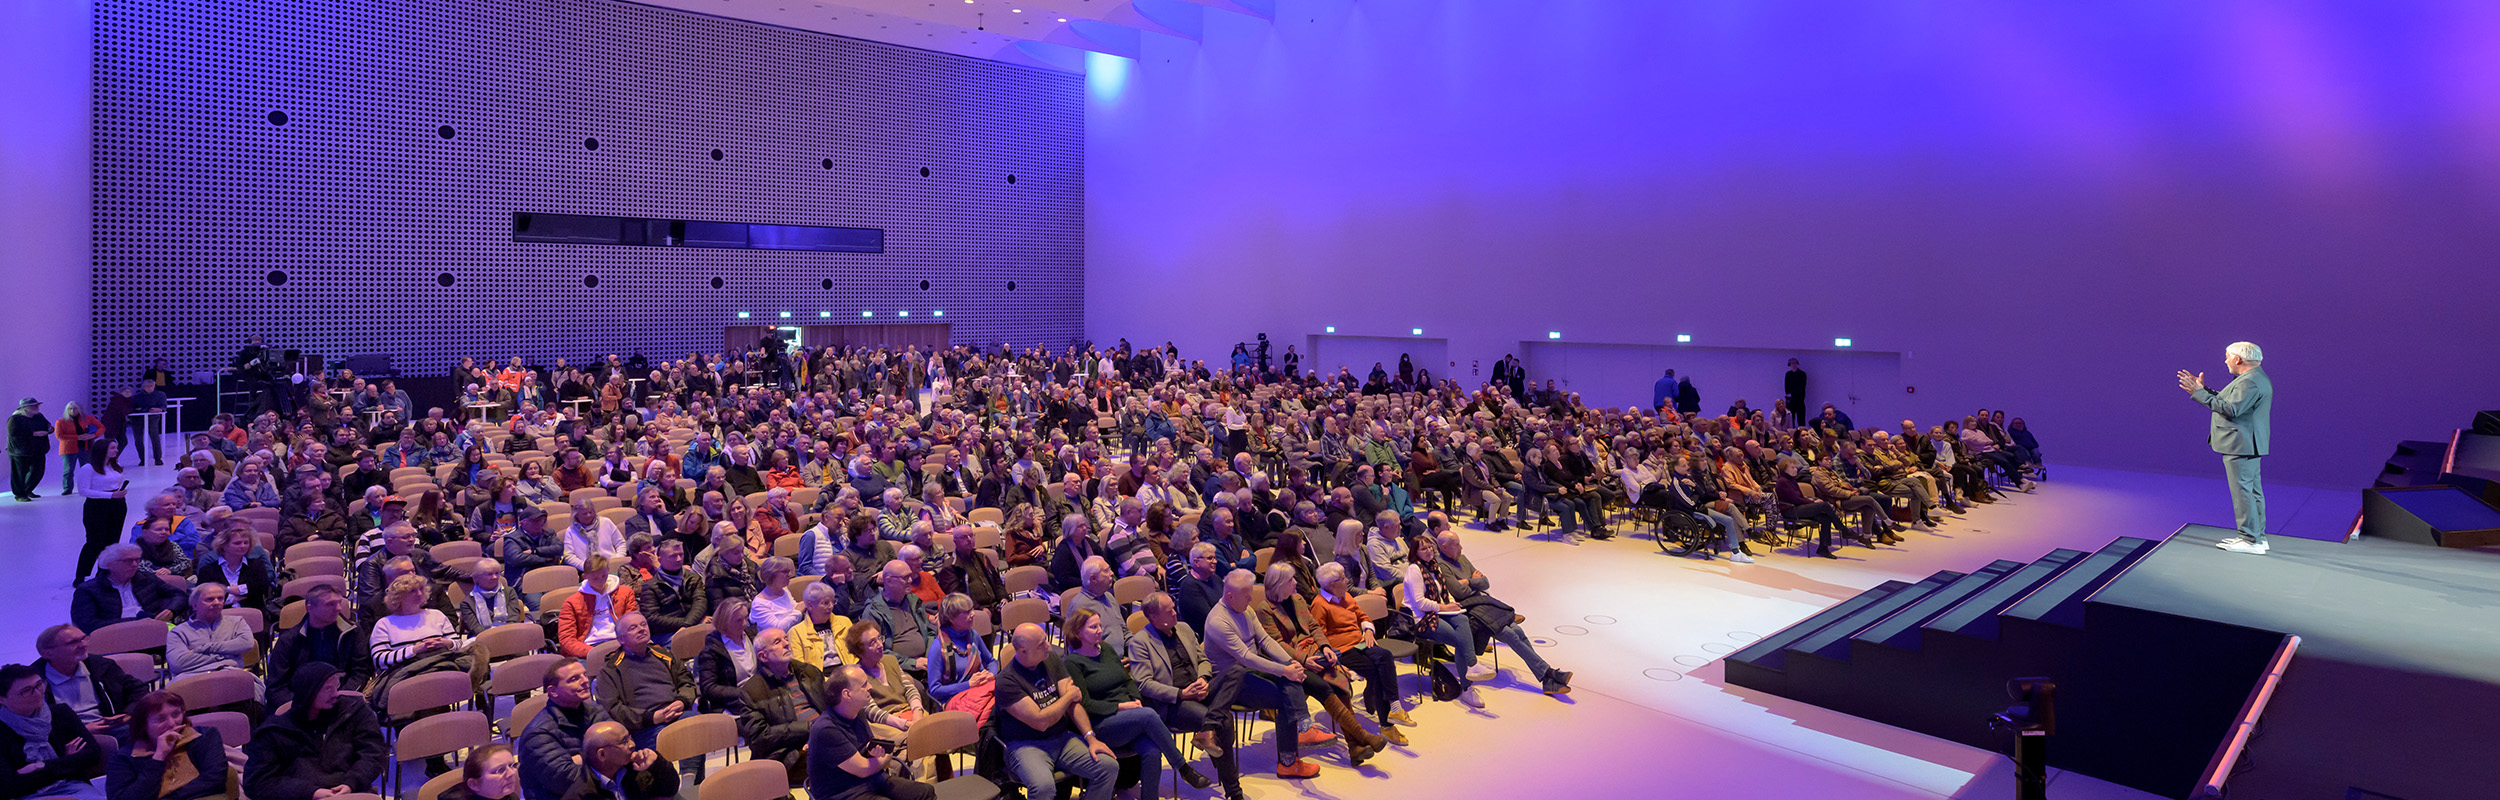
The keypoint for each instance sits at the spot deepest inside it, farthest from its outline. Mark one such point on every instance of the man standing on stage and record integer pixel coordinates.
(2241, 433)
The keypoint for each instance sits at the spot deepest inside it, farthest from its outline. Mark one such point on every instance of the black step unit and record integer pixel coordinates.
(2060, 601)
(1763, 665)
(1975, 618)
(1819, 671)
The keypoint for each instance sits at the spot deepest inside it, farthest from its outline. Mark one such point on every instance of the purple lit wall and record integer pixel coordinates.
(44, 52)
(2043, 208)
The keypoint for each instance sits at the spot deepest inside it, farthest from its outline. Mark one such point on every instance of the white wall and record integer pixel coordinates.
(2049, 207)
(44, 196)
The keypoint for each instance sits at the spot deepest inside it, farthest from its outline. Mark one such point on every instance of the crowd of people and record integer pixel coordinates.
(1090, 551)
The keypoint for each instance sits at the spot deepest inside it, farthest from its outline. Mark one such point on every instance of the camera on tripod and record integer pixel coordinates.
(2035, 709)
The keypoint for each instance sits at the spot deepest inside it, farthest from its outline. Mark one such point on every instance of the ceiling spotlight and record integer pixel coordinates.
(1063, 19)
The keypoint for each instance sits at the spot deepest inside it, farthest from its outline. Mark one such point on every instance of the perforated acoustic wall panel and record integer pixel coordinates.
(341, 175)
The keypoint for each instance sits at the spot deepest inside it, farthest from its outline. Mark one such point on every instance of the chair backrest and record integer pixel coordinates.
(521, 675)
(554, 598)
(125, 637)
(213, 688)
(1373, 604)
(605, 503)
(434, 789)
(1136, 621)
(798, 585)
(1266, 556)
(428, 691)
(297, 588)
(291, 615)
(443, 733)
(232, 726)
(988, 537)
(550, 578)
(405, 471)
(805, 497)
(460, 566)
(310, 566)
(617, 514)
(992, 516)
(942, 732)
(513, 639)
(787, 547)
(759, 779)
(141, 666)
(585, 493)
(687, 645)
(1134, 588)
(254, 619)
(461, 549)
(1020, 611)
(754, 500)
(316, 548)
(1025, 578)
(522, 713)
(698, 735)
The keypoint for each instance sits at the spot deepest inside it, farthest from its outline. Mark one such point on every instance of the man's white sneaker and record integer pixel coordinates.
(2251, 548)
(1469, 697)
(2227, 543)
(1740, 557)
(1480, 672)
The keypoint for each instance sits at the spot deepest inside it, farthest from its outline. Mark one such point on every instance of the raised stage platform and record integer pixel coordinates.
(2394, 689)
(2396, 686)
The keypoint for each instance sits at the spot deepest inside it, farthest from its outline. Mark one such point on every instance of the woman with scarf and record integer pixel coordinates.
(45, 751)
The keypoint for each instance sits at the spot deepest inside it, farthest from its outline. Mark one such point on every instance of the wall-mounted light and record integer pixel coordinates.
(939, 313)
(1332, 329)
(902, 313)
(823, 314)
(785, 315)
(1553, 334)
(1419, 331)
(742, 315)
(867, 314)
(1683, 338)
(1842, 342)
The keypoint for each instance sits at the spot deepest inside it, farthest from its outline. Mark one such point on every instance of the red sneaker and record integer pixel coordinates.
(1316, 736)
(1300, 768)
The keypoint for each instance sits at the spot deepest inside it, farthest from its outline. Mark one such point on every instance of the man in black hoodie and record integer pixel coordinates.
(328, 744)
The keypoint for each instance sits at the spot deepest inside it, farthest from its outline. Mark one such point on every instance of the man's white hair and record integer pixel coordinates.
(2247, 351)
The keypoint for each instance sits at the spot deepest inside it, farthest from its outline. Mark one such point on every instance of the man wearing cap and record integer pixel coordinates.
(27, 448)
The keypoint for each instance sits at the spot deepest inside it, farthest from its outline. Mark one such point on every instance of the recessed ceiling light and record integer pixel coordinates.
(1063, 19)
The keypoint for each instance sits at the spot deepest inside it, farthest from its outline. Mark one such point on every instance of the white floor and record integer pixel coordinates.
(1650, 715)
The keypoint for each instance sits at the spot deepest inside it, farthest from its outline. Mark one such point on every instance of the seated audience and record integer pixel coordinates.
(45, 750)
(94, 687)
(328, 743)
(548, 742)
(210, 640)
(1040, 723)
(844, 760)
(591, 615)
(166, 758)
(121, 592)
(641, 686)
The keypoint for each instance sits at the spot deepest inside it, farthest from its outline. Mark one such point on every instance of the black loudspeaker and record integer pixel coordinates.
(2487, 423)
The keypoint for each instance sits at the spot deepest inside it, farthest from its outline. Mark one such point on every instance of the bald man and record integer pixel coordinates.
(613, 770)
(1042, 726)
(1269, 677)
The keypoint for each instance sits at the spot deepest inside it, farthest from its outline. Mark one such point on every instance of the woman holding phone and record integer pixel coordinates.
(106, 491)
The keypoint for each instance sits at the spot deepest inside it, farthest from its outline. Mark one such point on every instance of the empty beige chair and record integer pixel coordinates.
(586, 493)
(753, 780)
(447, 551)
(1133, 589)
(603, 504)
(317, 548)
(434, 789)
(617, 514)
(990, 516)
(805, 497)
(787, 547)
(141, 666)
(550, 578)
(312, 566)
(512, 639)
(989, 537)
(941, 733)
(404, 471)
(232, 726)
(128, 637)
(1025, 579)
(1020, 611)
(208, 690)
(697, 736)
(441, 734)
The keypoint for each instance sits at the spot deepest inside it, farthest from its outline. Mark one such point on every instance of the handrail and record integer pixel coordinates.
(2227, 756)
(2448, 463)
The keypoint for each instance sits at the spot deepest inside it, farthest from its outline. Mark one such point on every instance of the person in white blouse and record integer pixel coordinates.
(105, 489)
(774, 609)
(591, 534)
